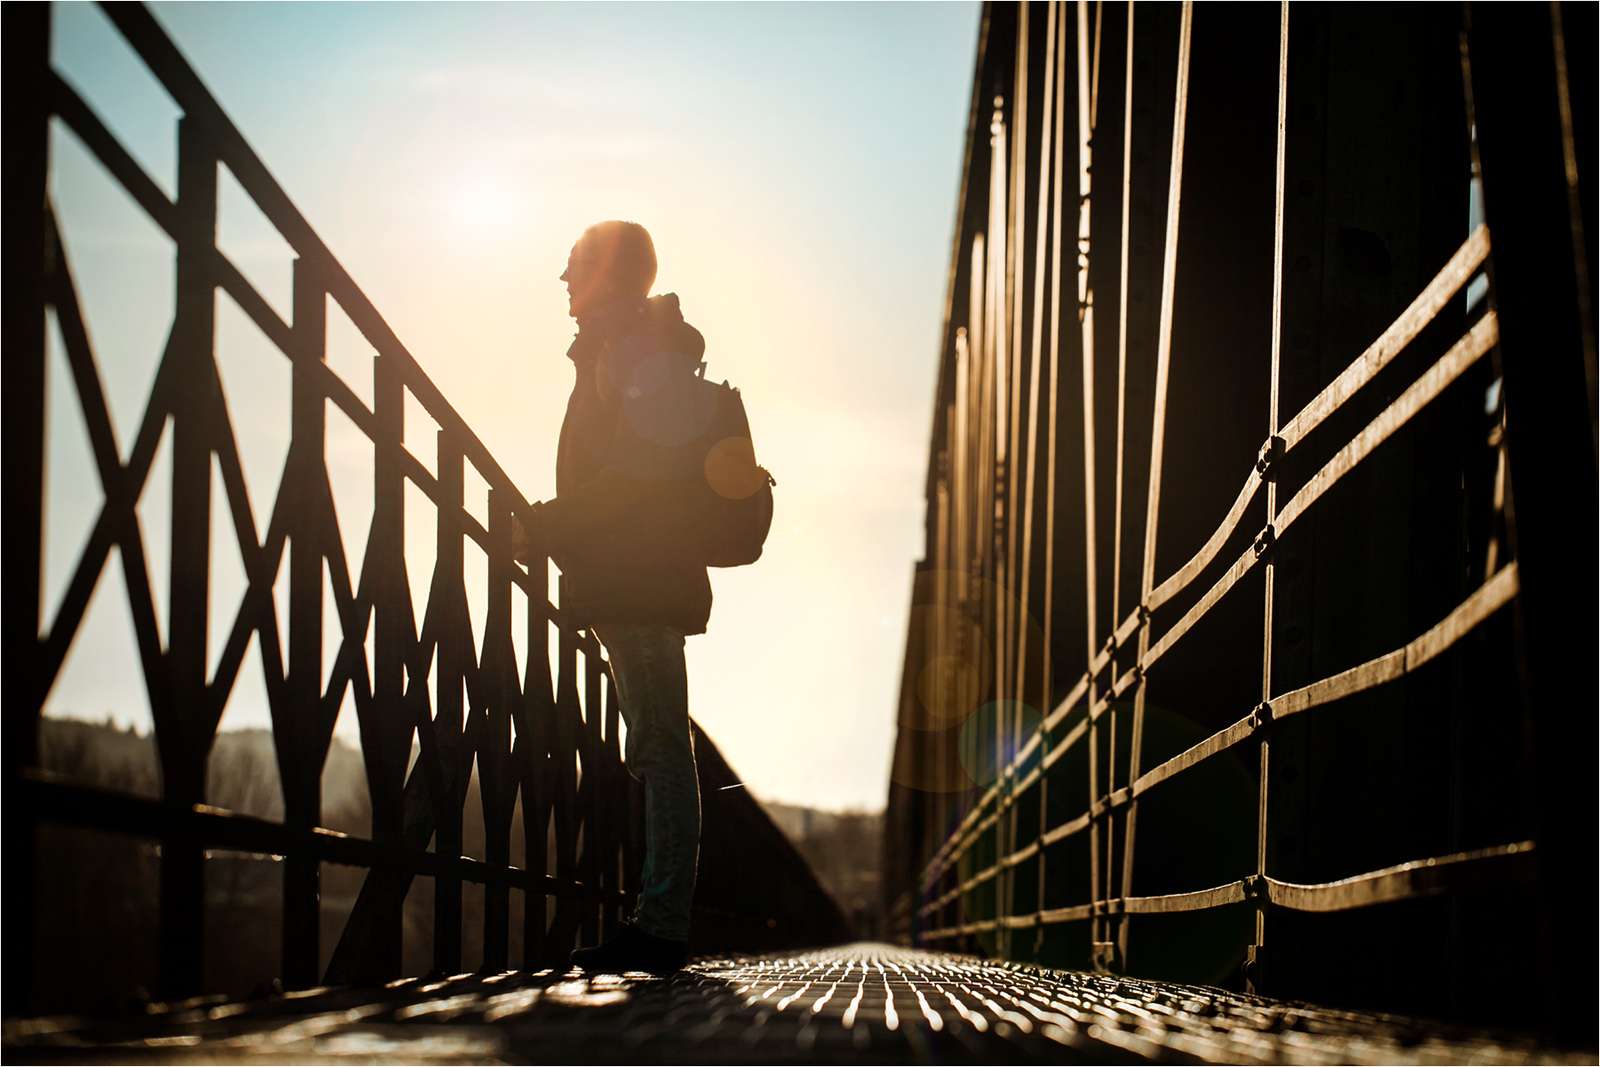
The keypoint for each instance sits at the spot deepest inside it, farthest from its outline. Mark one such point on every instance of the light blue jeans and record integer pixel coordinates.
(653, 691)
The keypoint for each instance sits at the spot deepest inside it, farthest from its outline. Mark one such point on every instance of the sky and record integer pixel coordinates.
(798, 167)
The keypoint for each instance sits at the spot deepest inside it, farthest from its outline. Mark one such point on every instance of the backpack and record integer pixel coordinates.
(712, 504)
(732, 498)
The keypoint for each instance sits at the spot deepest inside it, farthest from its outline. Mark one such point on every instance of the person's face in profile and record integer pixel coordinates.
(588, 288)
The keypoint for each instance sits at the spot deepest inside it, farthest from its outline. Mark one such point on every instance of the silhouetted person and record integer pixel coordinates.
(625, 576)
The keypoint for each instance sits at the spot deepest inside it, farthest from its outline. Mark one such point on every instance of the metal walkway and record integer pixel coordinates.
(859, 1003)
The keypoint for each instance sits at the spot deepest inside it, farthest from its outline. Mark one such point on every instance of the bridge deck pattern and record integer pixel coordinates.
(858, 1004)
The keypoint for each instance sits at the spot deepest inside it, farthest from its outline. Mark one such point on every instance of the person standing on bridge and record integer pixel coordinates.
(626, 578)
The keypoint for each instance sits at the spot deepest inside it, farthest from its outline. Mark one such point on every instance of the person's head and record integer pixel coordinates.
(611, 260)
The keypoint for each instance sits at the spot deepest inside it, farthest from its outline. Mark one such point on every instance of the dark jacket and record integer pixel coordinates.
(621, 460)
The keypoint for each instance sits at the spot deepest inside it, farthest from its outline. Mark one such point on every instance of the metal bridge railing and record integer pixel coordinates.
(460, 695)
(1023, 771)
(994, 521)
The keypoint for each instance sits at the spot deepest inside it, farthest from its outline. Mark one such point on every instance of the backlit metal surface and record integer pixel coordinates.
(859, 1003)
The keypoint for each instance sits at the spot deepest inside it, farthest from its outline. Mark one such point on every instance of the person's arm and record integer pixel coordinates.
(522, 542)
(651, 453)
(605, 505)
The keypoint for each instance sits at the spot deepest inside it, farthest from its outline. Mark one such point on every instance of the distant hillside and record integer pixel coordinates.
(101, 755)
(844, 849)
(242, 775)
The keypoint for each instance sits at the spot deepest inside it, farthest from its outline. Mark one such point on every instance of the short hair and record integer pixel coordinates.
(625, 252)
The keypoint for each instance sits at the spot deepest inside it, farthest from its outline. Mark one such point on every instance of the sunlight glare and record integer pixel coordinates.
(482, 207)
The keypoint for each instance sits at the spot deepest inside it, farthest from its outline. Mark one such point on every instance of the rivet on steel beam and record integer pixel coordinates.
(1261, 716)
(1264, 540)
(1270, 453)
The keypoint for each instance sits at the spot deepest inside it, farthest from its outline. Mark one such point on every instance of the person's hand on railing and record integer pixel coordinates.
(536, 536)
(522, 542)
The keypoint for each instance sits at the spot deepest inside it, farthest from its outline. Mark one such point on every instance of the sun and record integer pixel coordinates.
(481, 207)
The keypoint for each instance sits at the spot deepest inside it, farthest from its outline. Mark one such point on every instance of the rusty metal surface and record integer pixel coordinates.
(858, 1003)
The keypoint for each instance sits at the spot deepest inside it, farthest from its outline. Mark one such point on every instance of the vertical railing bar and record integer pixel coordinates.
(987, 584)
(299, 734)
(1044, 210)
(1122, 323)
(981, 587)
(1122, 392)
(972, 460)
(564, 794)
(1031, 477)
(1169, 270)
(994, 392)
(619, 851)
(1098, 920)
(1085, 355)
(574, 764)
(972, 456)
(994, 351)
(946, 639)
(959, 474)
(1016, 240)
(535, 770)
(1085, 296)
(1047, 679)
(1122, 354)
(182, 748)
(1254, 963)
(1007, 624)
(447, 595)
(25, 144)
(934, 627)
(496, 785)
(967, 360)
(1094, 87)
(1086, 323)
(977, 339)
(386, 737)
(592, 796)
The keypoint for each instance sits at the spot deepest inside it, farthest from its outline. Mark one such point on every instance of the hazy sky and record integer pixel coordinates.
(798, 168)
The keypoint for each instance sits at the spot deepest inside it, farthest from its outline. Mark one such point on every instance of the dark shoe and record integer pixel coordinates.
(633, 950)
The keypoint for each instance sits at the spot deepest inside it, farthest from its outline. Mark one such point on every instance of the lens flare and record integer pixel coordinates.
(951, 707)
(993, 735)
(731, 468)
